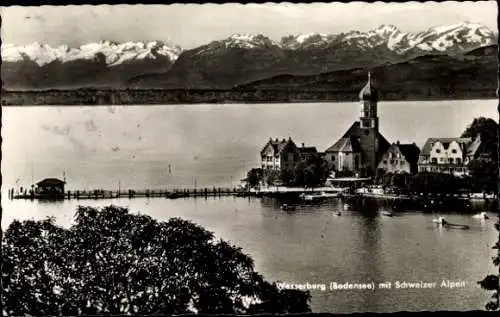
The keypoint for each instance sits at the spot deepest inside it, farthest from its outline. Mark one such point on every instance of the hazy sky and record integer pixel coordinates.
(191, 25)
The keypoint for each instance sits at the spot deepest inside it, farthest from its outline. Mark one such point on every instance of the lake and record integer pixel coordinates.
(210, 145)
(313, 245)
(164, 147)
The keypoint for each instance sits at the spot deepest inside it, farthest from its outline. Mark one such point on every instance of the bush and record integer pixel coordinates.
(113, 262)
(491, 282)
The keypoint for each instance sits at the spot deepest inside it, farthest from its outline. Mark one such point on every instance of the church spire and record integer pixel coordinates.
(369, 92)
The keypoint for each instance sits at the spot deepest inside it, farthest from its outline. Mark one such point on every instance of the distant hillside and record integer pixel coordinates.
(229, 62)
(425, 77)
(243, 58)
(467, 76)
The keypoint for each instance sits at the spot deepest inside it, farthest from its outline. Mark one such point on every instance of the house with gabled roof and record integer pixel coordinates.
(400, 158)
(362, 146)
(279, 154)
(449, 155)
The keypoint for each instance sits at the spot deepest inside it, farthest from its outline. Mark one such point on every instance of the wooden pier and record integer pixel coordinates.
(148, 193)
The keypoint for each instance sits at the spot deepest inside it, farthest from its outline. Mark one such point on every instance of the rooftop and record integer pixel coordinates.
(50, 182)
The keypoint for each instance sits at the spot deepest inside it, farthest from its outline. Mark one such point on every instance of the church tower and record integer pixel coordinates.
(368, 124)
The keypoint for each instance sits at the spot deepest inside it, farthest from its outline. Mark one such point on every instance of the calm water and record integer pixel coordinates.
(214, 145)
(313, 245)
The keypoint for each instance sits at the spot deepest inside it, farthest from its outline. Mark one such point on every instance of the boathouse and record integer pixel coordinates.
(50, 187)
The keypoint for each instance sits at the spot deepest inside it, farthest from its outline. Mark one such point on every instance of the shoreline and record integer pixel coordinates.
(117, 97)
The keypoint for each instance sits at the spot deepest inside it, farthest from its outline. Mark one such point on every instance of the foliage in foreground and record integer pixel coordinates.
(491, 282)
(114, 262)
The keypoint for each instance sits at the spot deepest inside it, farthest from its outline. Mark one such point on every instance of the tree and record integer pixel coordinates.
(379, 176)
(254, 177)
(114, 262)
(311, 171)
(288, 177)
(272, 176)
(429, 182)
(484, 175)
(491, 282)
(488, 129)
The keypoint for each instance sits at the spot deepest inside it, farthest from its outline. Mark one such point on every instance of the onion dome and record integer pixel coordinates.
(369, 92)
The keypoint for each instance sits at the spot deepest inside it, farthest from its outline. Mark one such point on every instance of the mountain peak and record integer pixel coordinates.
(115, 52)
(387, 28)
(245, 40)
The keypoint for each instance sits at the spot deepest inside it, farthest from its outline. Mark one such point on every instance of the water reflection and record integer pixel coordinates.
(312, 244)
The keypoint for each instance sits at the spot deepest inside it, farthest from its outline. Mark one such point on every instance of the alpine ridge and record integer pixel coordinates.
(226, 63)
(105, 63)
(241, 59)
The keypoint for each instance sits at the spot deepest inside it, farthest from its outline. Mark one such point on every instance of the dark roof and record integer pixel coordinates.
(409, 151)
(353, 130)
(278, 145)
(308, 149)
(50, 182)
(426, 149)
(369, 92)
(346, 144)
(350, 140)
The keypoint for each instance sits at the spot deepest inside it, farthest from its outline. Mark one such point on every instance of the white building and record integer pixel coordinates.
(448, 155)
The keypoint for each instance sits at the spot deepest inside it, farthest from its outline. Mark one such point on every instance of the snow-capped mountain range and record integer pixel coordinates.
(228, 62)
(438, 39)
(114, 53)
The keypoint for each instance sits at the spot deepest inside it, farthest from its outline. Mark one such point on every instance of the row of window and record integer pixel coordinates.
(395, 162)
(437, 169)
(270, 158)
(450, 160)
(394, 155)
(454, 151)
(270, 167)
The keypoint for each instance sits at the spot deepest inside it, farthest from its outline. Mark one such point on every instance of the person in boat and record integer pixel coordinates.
(287, 207)
(440, 221)
(482, 215)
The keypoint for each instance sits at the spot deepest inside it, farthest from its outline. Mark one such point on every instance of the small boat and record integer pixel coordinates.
(387, 213)
(347, 206)
(338, 214)
(446, 224)
(174, 195)
(311, 197)
(329, 195)
(456, 226)
(287, 207)
(481, 215)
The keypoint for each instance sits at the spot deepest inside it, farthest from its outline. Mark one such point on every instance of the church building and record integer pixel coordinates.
(361, 148)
